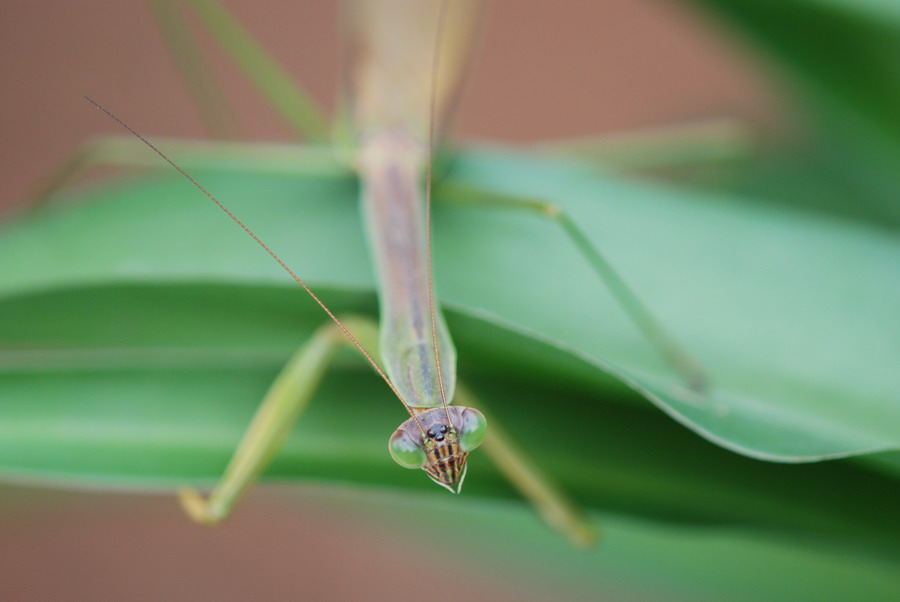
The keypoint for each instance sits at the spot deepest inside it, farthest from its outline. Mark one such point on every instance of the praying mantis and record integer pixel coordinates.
(420, 49)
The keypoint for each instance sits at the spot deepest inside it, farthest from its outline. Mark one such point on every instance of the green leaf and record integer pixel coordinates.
(140, 329)
(793, 314)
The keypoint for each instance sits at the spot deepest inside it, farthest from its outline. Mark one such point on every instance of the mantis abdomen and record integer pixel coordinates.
(405, 68)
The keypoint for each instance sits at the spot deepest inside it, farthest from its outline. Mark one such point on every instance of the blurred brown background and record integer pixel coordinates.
(546, 69)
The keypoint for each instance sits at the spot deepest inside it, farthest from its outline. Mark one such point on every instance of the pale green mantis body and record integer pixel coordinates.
(394, 133)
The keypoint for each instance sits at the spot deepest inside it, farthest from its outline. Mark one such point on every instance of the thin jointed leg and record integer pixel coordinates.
(192, 155)
(285, 400)
(706, 143)
(673, 353)
(198, 78)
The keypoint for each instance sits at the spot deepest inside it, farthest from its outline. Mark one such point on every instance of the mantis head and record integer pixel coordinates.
(442, 448)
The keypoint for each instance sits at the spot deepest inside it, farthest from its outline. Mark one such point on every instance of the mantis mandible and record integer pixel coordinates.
(403, 82)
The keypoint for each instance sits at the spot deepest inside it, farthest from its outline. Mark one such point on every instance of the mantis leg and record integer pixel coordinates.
(277, 87)
(198, 78)
(701, 143)
(192, 155)
(286, 399)
(672, 352)
(549, 500)
(288, 99)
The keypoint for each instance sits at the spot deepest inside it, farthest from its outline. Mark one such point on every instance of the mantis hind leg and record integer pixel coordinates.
(199, 80)
(192, 155)
(288, 99)
(284, 403)
(665, 344)
(680, 150)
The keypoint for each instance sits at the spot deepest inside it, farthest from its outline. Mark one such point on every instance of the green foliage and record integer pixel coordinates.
(140, 330)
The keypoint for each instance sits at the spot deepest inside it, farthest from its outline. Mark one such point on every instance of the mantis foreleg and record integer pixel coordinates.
(287, 398)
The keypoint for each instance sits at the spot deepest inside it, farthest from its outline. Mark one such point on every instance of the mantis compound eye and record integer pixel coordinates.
(472, 430)
(405, 450)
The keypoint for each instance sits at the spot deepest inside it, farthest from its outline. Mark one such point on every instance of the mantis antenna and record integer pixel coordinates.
(278, 259)
(435, 63)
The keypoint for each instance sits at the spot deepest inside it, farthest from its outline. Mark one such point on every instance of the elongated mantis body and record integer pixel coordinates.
(395, 148)
(397, 45)
(394, 138)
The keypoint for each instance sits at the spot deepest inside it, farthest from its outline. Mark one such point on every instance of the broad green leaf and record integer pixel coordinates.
(140, 329)
(158, 394)
(794, 315)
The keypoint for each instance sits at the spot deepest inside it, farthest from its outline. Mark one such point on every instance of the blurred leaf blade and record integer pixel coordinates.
(782, 283)
(157, 418)
(117, 370)
(777, 281)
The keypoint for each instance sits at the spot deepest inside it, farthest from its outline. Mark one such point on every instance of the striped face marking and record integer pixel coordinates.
(446, 461)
